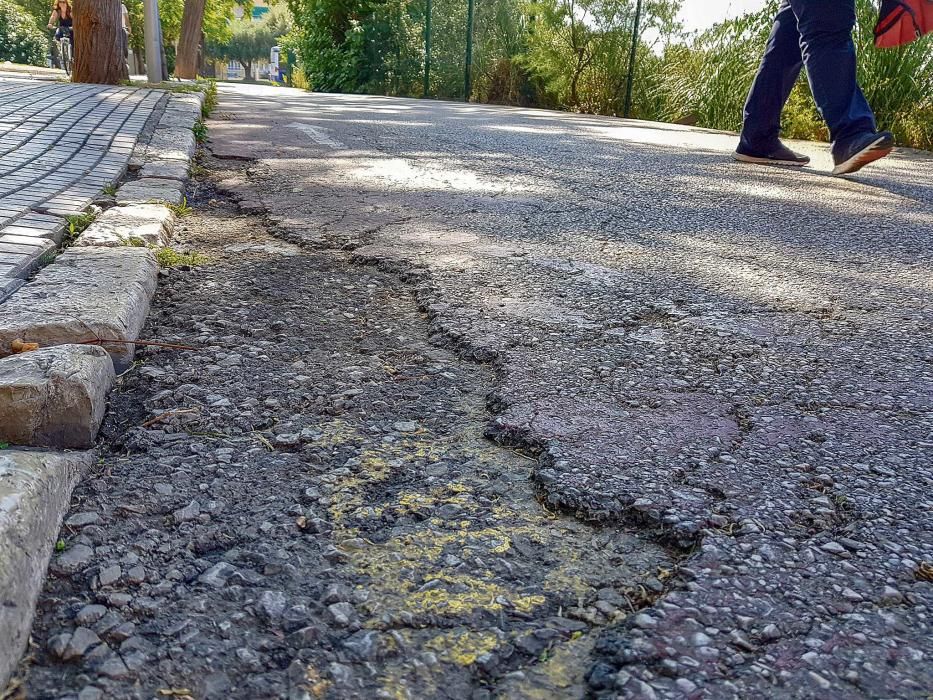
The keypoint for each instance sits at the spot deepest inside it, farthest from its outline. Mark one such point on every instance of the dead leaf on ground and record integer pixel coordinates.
(925, 571)
(19, 346)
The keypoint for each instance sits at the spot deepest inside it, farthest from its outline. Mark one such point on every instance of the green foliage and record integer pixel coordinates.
(708, 79)
(21, 40)
(181, 210)
(210, 97)
(77, 223)
(250, 41)
(39, 10)
(169, 257)
(573, 54)
(217, 15)
(200, 131)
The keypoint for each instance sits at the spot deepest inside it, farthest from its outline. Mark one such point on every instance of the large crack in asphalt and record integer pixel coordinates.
(771, 430)
(306, 505)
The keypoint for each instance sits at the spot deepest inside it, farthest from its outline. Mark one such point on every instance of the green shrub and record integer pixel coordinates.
(573, 54)
(21, 41)
(210, 96)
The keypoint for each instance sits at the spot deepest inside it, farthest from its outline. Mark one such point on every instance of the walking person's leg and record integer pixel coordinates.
(760, 140)
(828, 52)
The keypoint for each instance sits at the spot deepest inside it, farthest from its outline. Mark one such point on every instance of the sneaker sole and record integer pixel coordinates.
(742, 158)
(876, 151)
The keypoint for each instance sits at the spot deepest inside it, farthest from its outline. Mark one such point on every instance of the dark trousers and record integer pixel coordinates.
(816, 34)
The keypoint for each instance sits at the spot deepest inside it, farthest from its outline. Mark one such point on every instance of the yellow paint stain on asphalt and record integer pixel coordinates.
(419, 590)
(462, 594)
(561, 674)
(463, 647)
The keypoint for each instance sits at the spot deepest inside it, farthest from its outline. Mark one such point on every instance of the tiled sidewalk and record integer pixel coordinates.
(60, 145)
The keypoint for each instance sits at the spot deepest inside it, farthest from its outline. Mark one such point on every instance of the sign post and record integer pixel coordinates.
(427, 48)
(468, 72)
(153, 41)
(631, 62)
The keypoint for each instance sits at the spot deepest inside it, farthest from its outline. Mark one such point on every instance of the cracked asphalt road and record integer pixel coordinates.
(738, 360)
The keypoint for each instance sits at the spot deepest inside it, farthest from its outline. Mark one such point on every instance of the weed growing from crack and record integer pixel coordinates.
(77, 223)
(169, 257)
(181, 210)
(210, 96)
(110, 190)
(200, 131)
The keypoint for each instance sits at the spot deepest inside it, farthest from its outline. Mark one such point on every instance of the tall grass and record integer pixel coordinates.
(573, 54)
(897, 82)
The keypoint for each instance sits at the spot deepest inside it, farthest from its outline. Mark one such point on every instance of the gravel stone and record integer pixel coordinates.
(81, 640)
(72, 560)
(90, 614)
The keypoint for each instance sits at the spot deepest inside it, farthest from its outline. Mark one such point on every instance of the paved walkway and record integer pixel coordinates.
(736, 357)
(60, 145)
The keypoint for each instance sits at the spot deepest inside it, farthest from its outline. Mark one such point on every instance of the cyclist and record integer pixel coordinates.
(61, 13)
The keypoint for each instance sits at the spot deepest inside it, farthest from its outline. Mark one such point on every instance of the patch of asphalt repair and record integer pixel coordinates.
(687, 351)
(305, 505)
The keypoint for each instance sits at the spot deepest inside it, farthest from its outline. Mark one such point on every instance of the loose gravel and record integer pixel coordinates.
(305, 505)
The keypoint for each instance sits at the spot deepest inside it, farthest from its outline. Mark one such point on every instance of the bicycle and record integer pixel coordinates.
(66, 51)
(64, 39)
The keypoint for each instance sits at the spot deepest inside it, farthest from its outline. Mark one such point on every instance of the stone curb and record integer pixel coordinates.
(149, 224)
(35, 490)
(54, 397)
(147, 189)
(89, 293)
(164, 167)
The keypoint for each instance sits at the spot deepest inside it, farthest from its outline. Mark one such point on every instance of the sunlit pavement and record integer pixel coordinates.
(738, 358)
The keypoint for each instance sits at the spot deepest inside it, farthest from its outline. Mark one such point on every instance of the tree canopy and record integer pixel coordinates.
(249, 40)
(21, 39)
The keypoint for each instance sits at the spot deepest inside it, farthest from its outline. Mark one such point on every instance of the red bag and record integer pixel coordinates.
(903, 21)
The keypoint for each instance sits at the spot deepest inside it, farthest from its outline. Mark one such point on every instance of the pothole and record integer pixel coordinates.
(478, 585)
(330, 521)
(465, 584)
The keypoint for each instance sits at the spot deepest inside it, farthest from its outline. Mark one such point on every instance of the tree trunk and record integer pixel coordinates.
(203, 67)
(186, 60)
(98, 36)
(247, 72)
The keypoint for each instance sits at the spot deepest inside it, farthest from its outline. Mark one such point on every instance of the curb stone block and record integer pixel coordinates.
(151, 224)
(172, 143)
(180, 115)
(35, 489)
(8, 285)
(166, 169)
(88, 293)
(54, 397)
(148, 190)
